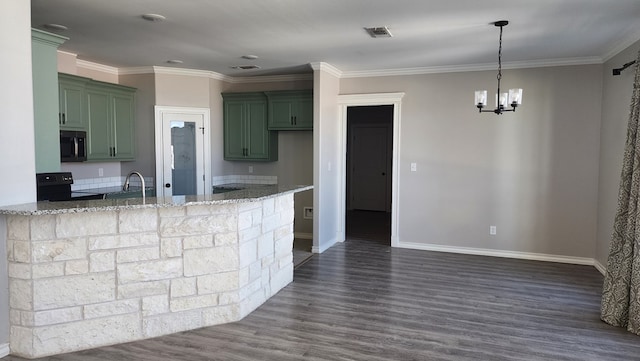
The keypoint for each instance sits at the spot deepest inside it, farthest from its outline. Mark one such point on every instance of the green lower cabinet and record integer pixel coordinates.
(290, 110)
(110, 122)
(246, 136)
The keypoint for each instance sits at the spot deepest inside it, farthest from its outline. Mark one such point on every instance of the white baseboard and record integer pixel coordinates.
(4, 350)
(600, 267)
(302, 235)
(323, 247)
(498, 253)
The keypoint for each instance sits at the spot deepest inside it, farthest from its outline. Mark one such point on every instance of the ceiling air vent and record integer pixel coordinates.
(245, 67)
(379, 32)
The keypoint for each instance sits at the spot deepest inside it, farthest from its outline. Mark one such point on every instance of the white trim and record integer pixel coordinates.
(98, 67)
(600, 267)
(303, 235)
(4, 350)
(345, 101)
(204, 112)
(270, 78)
(325, 246)
(136, 70)
(472, 67)
(620, 46)
(214, 75)
(326, 67)
(498, 253)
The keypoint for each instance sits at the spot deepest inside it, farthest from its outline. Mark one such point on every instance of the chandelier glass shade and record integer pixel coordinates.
(505, 101)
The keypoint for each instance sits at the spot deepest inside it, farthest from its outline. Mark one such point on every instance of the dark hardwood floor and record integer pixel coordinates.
(363, 301)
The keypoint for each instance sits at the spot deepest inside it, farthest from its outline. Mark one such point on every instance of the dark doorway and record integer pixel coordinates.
(369, 173)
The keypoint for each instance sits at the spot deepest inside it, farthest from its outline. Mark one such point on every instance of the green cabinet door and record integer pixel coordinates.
(110, 122)
(246, 136)
(123, 125)
(234, 137)
(98, 124)
(290, 110)
(72, 102)
(260, 139)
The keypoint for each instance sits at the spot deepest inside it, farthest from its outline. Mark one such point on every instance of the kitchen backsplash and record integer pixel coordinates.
(247, 179)
(104, 182)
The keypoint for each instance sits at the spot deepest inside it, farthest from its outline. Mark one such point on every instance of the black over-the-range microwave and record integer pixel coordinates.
(73, 146)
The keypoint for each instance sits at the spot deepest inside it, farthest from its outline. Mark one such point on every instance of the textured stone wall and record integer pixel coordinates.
(82, 280)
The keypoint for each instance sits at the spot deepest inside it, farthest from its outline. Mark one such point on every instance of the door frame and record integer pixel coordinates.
(204, 112)
(350, 100)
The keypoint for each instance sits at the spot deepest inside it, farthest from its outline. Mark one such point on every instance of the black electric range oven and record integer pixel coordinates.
(56, 187)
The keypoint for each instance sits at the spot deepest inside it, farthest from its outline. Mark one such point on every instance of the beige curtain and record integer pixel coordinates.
(621, 290)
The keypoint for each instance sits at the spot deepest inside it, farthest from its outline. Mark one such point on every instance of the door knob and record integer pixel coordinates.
(167, 185)
(383, 173)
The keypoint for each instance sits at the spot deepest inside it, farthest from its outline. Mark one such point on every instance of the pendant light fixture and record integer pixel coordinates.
(513, 98)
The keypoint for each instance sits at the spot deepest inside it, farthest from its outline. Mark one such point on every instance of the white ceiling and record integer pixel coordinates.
(287, 35)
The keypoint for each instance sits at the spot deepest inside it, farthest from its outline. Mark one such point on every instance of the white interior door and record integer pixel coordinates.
(182, 151)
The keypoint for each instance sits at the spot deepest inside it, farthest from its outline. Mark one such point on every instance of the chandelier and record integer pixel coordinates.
(513, 98)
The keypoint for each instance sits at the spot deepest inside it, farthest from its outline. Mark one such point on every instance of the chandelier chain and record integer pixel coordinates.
(499, 76)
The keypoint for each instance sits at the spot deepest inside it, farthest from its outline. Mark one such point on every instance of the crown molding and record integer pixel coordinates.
(271, 78)
(472, 67)
(620, 46)
(326, 67)
(97, 67)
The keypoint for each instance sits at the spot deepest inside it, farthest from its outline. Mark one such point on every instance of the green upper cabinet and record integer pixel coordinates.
(290, 110)
(72, 115)
(246, 136)
(110, 122)
(44, 68)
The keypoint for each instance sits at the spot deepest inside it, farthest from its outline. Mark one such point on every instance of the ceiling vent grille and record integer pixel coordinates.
(379, 32)
(245, 67)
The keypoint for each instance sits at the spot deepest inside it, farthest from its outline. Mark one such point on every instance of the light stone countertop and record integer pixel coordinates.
(248, 194)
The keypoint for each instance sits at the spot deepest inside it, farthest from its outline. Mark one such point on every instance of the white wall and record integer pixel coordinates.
(326, 161)
(18, 183)
(616, 100)
(532, 173)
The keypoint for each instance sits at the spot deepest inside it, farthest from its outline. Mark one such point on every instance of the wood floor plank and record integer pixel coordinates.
(365, 301)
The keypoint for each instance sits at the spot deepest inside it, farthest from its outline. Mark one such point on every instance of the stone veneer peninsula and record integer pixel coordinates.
(92, 273)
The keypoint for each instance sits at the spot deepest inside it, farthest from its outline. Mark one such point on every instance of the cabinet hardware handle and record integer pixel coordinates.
(295, 120)
(292, 120)
(64, 119)
(59, 118)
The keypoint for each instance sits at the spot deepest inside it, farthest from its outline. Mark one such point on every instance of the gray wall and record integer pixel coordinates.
(616, 98)
(532, 173)
(145, 124)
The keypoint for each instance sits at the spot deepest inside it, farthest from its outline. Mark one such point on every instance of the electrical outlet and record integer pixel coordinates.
(100, 172)
(250, 169)
(492, 230)
(414, 167)
(308, 213)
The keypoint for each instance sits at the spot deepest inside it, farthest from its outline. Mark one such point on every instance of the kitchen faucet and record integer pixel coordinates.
(125, 187)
